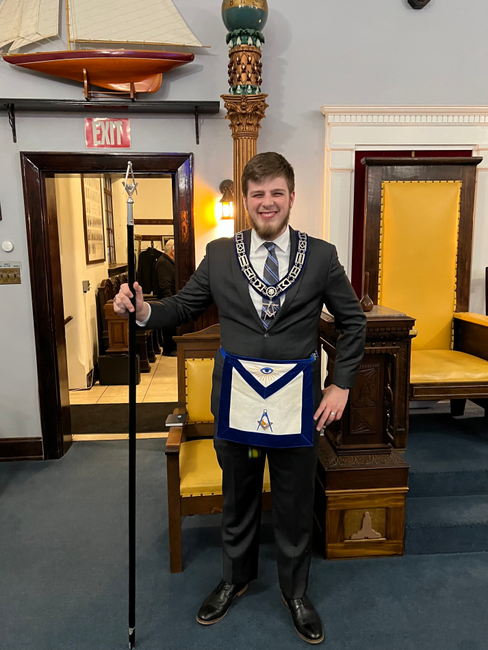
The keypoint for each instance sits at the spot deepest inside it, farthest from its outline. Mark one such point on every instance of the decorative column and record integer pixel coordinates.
(245, 103)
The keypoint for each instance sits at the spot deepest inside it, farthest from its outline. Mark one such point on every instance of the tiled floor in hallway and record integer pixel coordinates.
(158, 385)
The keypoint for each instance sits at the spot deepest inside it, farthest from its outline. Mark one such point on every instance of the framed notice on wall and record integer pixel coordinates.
(91, 189)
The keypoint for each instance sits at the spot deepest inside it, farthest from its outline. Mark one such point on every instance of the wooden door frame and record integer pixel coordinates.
(38, 170)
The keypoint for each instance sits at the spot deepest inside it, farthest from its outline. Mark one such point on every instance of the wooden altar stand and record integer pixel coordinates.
(362, 480)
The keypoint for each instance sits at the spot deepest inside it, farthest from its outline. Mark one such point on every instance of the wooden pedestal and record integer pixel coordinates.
(360, 503)
(377, 412)
(361, 479)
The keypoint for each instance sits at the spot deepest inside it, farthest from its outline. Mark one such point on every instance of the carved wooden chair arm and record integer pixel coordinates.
(176, 435)
(469, 317)
(471, 334)
(174, 440)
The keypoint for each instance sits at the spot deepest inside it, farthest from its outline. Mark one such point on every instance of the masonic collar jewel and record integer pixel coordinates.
(264, 422)
(270, 309)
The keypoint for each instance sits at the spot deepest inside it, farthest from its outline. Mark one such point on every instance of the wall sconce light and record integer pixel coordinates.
(227, 200)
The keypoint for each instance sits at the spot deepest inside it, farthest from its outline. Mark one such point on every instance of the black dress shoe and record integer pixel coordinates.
(217, 604)
(305, 619)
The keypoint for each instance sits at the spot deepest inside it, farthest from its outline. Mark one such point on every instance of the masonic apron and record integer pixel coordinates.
(266, 403)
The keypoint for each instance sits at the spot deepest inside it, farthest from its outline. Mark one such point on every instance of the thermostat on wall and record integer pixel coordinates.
(7, 246)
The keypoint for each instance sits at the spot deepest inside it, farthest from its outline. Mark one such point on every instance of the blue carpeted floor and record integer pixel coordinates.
(447, 502)
(63, 580)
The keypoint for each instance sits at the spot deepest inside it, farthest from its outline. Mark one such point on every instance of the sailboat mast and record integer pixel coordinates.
(67, 23)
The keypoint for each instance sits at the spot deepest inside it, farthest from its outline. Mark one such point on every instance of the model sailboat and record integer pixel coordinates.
(125, 22)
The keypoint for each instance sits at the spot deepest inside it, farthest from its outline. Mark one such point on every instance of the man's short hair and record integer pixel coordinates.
(168, 247)
(267, 165)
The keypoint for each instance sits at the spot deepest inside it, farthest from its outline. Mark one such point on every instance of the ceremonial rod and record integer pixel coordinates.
(130, 188)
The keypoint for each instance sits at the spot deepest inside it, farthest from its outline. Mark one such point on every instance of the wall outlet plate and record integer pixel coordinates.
(10, 273)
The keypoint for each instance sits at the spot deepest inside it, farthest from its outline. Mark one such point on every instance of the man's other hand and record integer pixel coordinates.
(123, 304)
(331, 407)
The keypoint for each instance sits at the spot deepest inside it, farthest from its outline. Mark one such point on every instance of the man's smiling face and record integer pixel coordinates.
(269, 203)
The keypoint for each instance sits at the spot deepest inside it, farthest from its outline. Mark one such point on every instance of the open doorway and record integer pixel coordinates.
(62, 252)
(92, 230)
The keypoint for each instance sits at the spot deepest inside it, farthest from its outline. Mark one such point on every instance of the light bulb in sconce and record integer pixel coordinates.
(227, 201)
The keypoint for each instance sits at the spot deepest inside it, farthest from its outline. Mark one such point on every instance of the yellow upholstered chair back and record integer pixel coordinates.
(419, 233)
(196, 352)
(198, 388)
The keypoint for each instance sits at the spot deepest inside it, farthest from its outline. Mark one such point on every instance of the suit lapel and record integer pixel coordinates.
(291, 293)
(241, 283)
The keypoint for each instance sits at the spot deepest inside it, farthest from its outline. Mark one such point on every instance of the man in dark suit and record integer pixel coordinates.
(165, 271)
(145, 269)
(165, 281)
(284, 327)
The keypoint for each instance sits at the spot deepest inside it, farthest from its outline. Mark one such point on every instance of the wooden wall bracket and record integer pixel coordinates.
(108, 105)
(11, 121)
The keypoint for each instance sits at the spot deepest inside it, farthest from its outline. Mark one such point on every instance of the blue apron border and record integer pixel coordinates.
(254, 438)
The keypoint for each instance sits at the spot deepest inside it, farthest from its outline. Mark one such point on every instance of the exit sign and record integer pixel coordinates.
(107, 133)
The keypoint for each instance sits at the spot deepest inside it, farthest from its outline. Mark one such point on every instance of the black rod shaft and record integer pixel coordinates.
(132, 433)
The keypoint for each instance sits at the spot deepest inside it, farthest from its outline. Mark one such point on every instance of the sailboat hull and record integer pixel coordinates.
(111, 69)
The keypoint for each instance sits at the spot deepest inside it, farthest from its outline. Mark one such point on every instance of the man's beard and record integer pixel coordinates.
(268, 230)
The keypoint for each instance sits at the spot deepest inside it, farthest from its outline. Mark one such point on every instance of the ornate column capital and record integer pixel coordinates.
(245, 113)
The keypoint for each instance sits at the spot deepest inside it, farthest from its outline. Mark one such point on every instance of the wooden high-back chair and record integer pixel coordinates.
(418, 245)
(117, 282)
(194, 475)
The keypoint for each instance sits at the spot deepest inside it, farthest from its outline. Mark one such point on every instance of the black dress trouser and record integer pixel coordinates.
(292, 473)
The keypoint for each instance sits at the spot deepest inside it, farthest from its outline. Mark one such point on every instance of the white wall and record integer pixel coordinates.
(82, 331)
(316, 53)
(119, 208)
(154, 200)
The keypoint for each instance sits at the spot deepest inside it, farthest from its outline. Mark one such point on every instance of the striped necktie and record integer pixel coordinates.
(271, 276)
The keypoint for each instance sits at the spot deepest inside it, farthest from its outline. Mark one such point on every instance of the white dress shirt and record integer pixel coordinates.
(257, 256)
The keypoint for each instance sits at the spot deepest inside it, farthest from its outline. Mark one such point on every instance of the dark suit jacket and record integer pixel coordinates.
(145, 270)
(165, 276)
(294, 332)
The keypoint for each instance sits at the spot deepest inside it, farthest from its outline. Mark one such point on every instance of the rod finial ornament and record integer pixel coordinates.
(130, 188)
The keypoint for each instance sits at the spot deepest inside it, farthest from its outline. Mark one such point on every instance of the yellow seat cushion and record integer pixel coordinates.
(200, 473)
(442, 366)
(198, 388)
(479, 319)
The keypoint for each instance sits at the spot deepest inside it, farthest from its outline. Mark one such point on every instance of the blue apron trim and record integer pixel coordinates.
(256, 438)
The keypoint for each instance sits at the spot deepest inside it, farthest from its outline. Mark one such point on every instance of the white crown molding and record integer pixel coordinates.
(404, 115)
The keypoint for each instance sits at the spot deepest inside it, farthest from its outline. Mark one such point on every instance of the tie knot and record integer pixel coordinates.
(269, 245)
